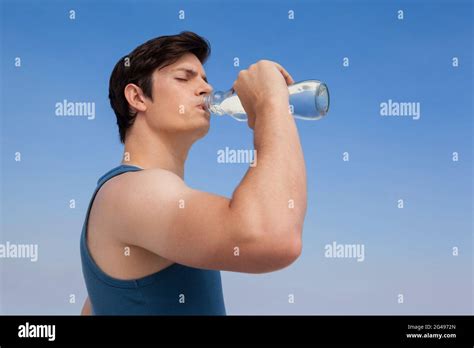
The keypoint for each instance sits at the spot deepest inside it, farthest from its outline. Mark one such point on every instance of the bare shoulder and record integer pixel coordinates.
(115, 222)
(123, 198)
(145, 182)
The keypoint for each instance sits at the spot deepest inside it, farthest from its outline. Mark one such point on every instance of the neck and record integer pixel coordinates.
(150, 150)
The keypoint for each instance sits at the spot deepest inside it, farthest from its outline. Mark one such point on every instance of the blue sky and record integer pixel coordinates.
(407, 251)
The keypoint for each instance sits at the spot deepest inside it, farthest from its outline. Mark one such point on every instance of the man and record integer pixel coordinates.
(153, 245)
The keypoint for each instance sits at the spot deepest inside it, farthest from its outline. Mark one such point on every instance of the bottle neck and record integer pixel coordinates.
(212, 101)
(207, 101)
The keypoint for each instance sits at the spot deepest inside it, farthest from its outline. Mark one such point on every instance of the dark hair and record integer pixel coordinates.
(138, 67)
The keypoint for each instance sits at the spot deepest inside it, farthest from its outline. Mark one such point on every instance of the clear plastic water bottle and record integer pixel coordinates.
(309, 100)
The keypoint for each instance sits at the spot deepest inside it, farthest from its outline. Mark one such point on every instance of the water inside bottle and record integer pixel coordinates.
(233, 104)
(308, 100)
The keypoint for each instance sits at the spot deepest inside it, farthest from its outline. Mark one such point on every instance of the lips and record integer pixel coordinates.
(202, 107)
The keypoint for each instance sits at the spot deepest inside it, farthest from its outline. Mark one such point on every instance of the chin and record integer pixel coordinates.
(199, 127)
(203, 129)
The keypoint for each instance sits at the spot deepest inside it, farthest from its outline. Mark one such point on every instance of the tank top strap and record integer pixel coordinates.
(117, 171)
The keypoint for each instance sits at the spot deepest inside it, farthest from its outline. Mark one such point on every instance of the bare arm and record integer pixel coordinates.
(86, 309)
(257, 230)
(275, 189)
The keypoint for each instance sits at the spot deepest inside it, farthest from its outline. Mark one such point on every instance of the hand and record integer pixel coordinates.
(263, 85)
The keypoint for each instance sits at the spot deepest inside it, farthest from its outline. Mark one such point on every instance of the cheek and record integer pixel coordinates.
(165, 102)
(173, 99)
(180, 100)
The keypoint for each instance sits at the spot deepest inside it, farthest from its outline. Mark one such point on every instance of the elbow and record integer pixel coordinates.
(292, 252)
(278, 253)
(270, 247)
(286, 242)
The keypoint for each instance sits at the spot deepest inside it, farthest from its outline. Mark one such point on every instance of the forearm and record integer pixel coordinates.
(274, 190)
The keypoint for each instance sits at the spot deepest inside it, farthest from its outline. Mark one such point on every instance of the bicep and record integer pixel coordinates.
(188, 226)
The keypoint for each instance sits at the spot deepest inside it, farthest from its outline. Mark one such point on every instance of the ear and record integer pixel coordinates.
(135, 97)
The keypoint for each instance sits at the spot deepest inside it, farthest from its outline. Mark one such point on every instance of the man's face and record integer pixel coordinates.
(177, 95)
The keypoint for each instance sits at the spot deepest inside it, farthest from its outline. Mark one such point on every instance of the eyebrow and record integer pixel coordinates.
(191, 72)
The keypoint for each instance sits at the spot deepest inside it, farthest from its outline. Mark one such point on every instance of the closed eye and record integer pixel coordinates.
(181, 79)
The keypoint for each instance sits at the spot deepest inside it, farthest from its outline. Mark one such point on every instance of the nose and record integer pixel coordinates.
(206, 88)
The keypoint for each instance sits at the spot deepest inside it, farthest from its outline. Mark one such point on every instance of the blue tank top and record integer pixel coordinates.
(175, 290)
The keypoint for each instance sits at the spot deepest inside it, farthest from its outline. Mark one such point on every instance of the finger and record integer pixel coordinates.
(289, 80)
